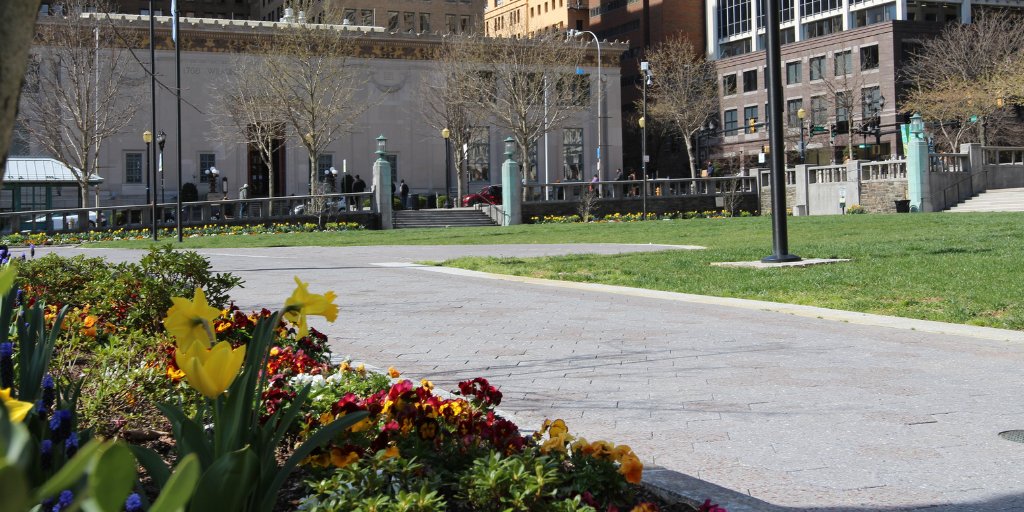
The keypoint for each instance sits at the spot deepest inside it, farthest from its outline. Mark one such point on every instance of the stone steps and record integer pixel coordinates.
(996, 200)
(441, 218)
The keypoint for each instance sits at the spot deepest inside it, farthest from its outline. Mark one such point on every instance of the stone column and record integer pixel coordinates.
(511, 188)
(917, 167)
(382, 188)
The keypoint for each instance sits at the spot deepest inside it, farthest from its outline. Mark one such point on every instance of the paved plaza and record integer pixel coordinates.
(759, 406)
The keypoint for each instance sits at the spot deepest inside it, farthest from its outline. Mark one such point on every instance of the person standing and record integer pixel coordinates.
(403, 191)
(710, 172)
(358, 186)
(595, 186)
(243, 194)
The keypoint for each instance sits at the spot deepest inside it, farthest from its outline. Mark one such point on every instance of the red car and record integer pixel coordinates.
(490, 194)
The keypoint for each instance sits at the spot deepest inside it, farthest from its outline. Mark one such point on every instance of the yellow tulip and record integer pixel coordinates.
(209, 370)
(302, 304)
(15, 408)
(189, 320)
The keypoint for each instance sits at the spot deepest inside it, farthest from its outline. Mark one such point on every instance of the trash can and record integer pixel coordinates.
(414, 202)
(902, 205)
(431, 201)
(799, 210)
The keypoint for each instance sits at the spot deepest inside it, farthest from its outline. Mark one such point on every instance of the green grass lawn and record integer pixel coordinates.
(962, 268)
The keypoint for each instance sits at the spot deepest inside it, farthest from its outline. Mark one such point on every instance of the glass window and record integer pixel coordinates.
(794, 72)
(844, 63)
(392, 20)
(733, 17)
(323, 166)
(870, 102)
(730, 122)
(572, 148)
(424, 22)
(842, 106)
(869, 57)
(464, 23)
(206, 160)
(817, 65)
(478, 156)
(451, 23)
(792, 107)
(350, 16)
(409, 21)
(749, 114)
(819, 110)
(750, 80)
(133, 167)
(809, 7)
(729, 85)
(367, 17)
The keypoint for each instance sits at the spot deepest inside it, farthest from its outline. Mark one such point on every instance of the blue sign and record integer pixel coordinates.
(579, 71)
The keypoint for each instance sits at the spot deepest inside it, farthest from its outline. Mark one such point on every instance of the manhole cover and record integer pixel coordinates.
(1016, 436)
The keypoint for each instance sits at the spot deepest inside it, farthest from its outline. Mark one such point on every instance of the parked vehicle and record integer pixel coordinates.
(330, 206)
(57, 222)
(491, 194)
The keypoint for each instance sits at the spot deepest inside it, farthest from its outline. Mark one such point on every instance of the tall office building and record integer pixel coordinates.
(841, 64)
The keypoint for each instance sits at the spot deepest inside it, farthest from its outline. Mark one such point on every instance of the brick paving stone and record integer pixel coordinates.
(760, 406)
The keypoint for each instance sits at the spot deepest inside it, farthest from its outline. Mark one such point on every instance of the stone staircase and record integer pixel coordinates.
(441, 218)
(994, 200)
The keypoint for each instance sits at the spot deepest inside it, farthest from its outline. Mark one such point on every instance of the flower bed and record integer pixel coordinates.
(251, 401)
(18, 239)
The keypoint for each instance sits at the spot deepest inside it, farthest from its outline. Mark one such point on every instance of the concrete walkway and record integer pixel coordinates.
(759, 406)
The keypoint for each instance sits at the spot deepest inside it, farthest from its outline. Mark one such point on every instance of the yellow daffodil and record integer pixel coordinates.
(15, 408)
(393, 373)
(209, 370)
(302, 304)
(189, 320)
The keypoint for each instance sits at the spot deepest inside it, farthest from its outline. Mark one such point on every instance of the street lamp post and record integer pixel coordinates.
(572, 33)
(160, 141)
(446, 133)
(147, 137)
(211, 176)
(645, 68)
(332, 175)
(800, 114)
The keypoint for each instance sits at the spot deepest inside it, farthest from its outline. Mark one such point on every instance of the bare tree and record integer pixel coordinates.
(968, 70)
(17, 24)
(843, 91)
(78, 90)
(526, 86)
(246, 112)
(448, 101)
(684, 90)
(307, 71)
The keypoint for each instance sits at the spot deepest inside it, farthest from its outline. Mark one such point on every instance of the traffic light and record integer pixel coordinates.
(832, 131)
(752, 125)
(766, 149)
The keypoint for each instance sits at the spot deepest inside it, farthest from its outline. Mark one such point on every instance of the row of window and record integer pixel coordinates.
(842, 65)
(478, 159)
(817, 114)
(548, 5)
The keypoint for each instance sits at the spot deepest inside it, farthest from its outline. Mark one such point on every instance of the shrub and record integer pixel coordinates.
(855, 209)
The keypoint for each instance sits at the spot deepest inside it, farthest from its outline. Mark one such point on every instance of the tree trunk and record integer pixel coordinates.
(17, 26)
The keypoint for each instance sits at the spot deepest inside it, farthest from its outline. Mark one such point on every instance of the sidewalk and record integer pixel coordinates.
(805, 409)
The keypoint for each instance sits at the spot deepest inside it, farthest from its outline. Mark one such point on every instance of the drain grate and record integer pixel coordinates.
(1016, 436)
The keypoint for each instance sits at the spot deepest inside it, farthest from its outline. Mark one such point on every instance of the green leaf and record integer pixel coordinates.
(320, 438)
(13, 489)
(188, 434)
(7, 275)
(228, 483)
(178, 490)
(71, 472)
(153, 463)
(111, 477)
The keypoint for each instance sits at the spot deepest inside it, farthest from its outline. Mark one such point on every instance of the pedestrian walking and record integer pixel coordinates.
(243, 194)
(404, 193)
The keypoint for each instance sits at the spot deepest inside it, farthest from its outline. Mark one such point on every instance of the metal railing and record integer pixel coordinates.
(194, 213)
(633, 189)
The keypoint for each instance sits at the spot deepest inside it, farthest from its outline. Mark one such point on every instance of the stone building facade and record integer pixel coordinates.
(394, 66)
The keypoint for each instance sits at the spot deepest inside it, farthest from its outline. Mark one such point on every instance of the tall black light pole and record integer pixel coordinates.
(780, 240)
(446, 133)
(645, 68)
(152, 100)
(177, 90)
